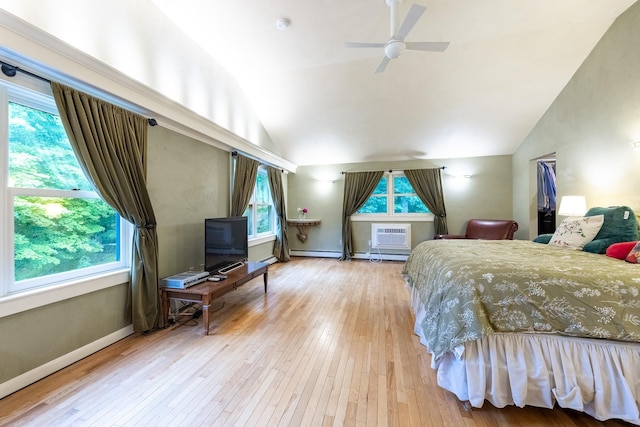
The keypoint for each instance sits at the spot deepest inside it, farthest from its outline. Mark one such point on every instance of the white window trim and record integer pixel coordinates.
(262, 239)
(390, 216)
(429, 217)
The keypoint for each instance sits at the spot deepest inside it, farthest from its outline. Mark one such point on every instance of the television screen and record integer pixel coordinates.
(225, 242)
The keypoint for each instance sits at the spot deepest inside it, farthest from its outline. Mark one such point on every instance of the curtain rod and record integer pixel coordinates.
(234, 153)
(11, 70)
(391, 170)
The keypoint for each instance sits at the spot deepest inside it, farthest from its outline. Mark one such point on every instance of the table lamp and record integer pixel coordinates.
(573, 206)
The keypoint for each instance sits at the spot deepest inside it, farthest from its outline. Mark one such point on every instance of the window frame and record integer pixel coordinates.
(16, 296)
(254, 237)
(390, 215)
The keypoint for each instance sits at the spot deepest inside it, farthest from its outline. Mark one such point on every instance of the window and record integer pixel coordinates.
(393, 197)
(57, 228)
(260, 211)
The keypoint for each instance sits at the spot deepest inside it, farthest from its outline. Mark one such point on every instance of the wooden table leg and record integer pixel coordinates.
(205, 313)
(165, 309)
(265, 278)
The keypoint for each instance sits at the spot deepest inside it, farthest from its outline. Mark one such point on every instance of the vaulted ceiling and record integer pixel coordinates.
(322, 103)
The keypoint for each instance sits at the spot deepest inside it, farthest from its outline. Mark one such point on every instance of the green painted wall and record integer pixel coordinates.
(188, 181)
(589, 126)
(34, 337)
(487, 194)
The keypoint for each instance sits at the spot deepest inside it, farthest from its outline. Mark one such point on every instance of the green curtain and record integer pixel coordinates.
(281, 245)
(244, 181)
(358, 186)
(111, 145)
(427, 184)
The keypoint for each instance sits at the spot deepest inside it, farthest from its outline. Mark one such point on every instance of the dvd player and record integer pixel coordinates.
(184, 280)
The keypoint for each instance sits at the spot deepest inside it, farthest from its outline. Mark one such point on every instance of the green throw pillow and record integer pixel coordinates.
(620, 225)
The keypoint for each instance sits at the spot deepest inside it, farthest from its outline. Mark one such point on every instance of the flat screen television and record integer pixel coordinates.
(225, 243)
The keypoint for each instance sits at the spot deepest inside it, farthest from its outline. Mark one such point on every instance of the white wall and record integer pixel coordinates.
(148, 63)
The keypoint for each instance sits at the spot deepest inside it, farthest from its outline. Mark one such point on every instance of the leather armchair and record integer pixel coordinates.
(487, 229)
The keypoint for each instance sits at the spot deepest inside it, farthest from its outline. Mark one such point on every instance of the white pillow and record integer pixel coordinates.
(574, 233)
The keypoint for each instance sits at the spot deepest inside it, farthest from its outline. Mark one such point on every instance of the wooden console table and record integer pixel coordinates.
(303, 227)
(205, 292)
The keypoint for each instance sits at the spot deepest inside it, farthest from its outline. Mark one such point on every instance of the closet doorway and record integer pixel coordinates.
(546, 173)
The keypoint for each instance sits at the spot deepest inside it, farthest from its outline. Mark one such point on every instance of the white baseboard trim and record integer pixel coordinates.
(316, 254)
(269, 260)
(381, 257)
(36, 374)
(357, 255)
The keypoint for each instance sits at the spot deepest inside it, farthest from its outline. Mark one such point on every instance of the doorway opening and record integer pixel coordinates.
(546, 188)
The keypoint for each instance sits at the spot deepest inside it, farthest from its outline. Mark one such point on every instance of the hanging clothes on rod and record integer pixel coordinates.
(546, 187)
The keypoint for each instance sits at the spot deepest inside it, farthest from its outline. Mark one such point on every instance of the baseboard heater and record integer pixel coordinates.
(391, 236)
(358, 255)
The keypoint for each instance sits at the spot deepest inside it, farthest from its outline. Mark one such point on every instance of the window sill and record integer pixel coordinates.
(34, 298)
(261, 240)
(392, 218)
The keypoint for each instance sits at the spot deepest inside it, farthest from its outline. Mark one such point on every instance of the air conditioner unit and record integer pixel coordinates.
(391, 236)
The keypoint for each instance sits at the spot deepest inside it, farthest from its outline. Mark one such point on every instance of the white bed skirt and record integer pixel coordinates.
(600, 378)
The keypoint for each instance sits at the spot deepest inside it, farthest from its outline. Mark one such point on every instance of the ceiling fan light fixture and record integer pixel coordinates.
(393, 49)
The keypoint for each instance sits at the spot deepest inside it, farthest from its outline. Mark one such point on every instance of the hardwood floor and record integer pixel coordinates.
(330, 344)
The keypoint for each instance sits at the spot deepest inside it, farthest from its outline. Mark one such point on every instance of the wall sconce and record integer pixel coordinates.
(635, 145)
(573, 206)
(325, 179)
(462, 177)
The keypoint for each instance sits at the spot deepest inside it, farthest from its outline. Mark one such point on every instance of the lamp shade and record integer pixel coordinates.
(572, 206)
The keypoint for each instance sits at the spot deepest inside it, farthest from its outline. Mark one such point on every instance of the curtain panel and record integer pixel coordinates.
(111, 144)
(427, 184)
(281, 245)
(244, 181)
(358, 186)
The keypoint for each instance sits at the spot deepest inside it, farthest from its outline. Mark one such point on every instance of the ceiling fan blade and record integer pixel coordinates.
(410, 20)
(382, 65)
(359, 44)
(428, 46)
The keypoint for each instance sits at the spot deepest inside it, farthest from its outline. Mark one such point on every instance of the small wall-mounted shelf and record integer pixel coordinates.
(303, 227)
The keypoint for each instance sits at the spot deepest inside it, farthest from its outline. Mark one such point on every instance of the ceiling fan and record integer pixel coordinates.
(396, 44)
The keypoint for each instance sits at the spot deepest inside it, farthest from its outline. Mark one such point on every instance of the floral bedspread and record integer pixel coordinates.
(471, 288)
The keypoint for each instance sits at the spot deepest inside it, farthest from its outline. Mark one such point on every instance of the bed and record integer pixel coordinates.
(522, 323)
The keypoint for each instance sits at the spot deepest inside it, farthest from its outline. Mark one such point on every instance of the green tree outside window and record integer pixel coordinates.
(53, 234)
(260, 212)
(400, 195)
(377, 202)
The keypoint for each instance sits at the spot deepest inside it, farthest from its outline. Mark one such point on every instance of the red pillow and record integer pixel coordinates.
(620, 250)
